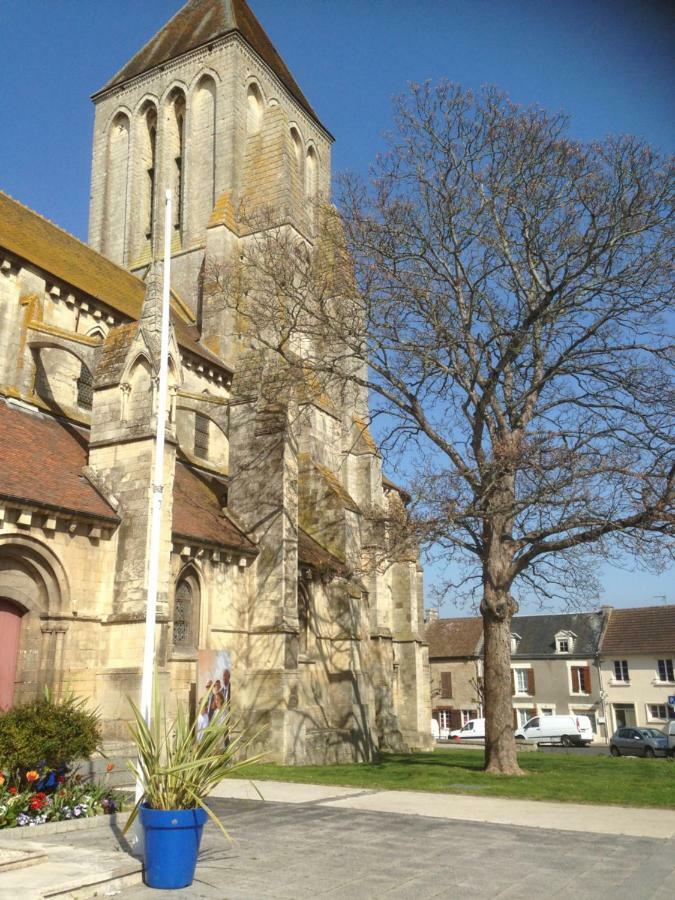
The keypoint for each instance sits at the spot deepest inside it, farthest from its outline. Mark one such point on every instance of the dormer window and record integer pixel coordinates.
(564, 642)
(515, 640)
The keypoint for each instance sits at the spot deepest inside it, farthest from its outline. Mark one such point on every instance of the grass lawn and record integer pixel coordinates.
(579, 779)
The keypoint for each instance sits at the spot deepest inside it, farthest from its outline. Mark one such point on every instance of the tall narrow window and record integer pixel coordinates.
(85, 388)
(115, 203)
(201, 436)
(254, 109)
(182, 615)
(151, 164)
(303, 619)
(200, 179)
(178, 174)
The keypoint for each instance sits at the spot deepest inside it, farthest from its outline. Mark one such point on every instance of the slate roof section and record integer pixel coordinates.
(648, 629)
(449, 638)
(53, 476)
(202, 22)
(537, 634)
(62, 256)
(197, 513)
(311, 553)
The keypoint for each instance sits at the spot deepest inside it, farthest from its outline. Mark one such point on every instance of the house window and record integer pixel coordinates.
(523, 681)
(468, 715)
(201, 436)
(85, 394)
(446, 684)
(546, 711)
(563, 645)
(621, 670)
(444, 718)
(515, 640)
(660, 711)
(581, 679)
(523, 716)
(666, 670)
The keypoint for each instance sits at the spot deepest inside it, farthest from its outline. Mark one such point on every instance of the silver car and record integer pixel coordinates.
(632, 741)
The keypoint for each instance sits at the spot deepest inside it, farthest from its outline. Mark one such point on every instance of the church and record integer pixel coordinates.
(265, 505)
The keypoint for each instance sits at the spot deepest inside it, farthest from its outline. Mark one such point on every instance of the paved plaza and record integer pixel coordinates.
(314, 848)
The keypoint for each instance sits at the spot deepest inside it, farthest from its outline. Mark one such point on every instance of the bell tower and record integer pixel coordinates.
(208, 108)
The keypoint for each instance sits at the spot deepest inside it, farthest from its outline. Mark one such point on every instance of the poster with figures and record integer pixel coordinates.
(214, 689)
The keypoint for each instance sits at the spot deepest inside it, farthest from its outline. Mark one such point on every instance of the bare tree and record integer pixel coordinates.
(509, 289)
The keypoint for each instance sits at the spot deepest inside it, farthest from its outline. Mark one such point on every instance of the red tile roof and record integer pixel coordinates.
(197, 513)
(41, 460)
(649, 629)
(454, 637)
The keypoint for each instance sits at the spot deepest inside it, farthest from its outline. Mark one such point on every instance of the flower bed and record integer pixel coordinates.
(49, 797)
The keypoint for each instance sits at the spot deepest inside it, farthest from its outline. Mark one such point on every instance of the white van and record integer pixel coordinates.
(565, 730)
(474, 728)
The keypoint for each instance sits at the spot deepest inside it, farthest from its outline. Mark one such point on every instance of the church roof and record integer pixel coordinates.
(311, 553)
(30, 236)
(198, 515)
(201, 22)
(41, 460)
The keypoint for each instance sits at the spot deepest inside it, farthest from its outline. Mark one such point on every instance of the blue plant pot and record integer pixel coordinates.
(171, 845)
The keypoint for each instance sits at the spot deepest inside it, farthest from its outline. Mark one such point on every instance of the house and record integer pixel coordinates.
(456, 670)
(554, 667)
(263, 533)
(637, 659)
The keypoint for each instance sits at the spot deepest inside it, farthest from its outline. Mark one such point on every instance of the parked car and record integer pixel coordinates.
(474, 728)
(669, 731)
(565, 730)
(638, 742)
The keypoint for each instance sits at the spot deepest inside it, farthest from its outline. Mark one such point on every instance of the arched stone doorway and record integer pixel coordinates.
(10, 633)
(33, 595)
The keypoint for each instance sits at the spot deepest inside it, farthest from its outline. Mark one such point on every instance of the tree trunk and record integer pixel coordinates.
(500, 745)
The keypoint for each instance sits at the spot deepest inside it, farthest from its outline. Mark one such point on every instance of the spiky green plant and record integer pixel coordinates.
(176, 769)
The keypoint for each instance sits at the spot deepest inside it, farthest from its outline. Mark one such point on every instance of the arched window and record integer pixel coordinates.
(311, 174)
(142, 222)
(297, 148)
(186, 613)
(115, 206)
(254, 109)
(176, 150)
(85, 388)
(201, 177)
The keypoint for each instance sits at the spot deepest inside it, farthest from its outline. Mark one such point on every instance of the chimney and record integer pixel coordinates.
(431, 616)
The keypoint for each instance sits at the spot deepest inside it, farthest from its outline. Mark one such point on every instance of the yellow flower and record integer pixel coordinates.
(2, 779)
(32, 775)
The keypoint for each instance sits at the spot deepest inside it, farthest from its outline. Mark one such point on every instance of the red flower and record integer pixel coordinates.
(40, 795)
(12, 790)
(110, 767)
(60, 779)
(32, 776)
(36, 803)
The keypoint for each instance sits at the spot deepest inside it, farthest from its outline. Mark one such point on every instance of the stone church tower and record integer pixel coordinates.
(264, 532)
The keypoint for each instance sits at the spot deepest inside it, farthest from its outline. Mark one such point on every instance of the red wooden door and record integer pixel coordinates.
(10, 630)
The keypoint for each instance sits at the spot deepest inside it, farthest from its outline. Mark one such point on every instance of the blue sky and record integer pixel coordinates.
(609, 64)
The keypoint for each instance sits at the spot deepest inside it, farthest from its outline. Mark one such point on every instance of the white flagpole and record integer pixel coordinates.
(157, 483)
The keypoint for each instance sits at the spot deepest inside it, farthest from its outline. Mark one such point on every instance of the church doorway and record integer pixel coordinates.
(10, 632)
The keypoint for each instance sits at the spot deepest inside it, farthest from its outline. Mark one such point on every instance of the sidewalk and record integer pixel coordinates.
(617, 820)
